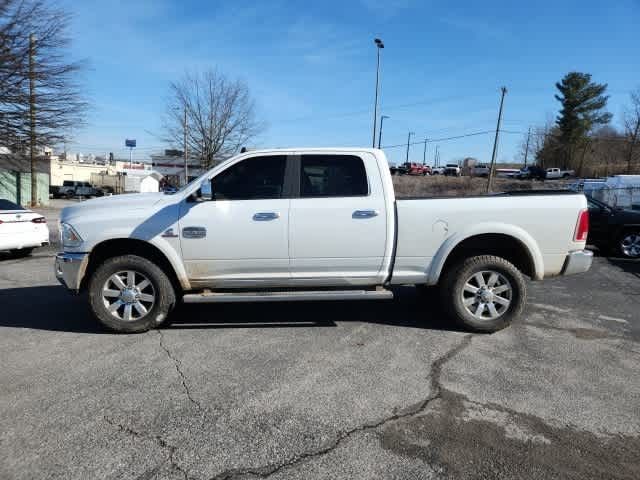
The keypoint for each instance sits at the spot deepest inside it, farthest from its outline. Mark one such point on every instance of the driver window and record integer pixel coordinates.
(251, 179)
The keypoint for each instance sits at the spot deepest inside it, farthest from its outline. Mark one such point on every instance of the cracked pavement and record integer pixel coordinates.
(334, 390)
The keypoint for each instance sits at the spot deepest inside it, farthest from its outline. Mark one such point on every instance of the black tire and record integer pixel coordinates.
(619, 248)
(453, 286)
(164, 294)
(21, 252)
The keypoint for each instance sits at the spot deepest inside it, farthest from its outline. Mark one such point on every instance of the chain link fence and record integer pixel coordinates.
(628, 197)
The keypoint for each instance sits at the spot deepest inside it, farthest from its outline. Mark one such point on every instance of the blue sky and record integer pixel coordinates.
(311, 66)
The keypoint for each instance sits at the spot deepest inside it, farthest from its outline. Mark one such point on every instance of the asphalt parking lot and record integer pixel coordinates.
(327, 390)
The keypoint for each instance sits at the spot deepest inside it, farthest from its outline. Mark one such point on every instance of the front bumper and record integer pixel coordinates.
(70, 268)
(577, 262)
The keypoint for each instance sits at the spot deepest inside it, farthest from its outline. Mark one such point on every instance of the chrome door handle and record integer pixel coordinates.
(265, 216)
(364, 214)
(194, 232)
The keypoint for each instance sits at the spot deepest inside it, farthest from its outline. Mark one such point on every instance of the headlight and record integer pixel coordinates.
(69, 237)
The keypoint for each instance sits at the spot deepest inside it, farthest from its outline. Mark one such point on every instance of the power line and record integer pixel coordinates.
(444, 139)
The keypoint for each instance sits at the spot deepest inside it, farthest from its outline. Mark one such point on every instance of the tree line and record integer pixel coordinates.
(41, 96)
(582, 138)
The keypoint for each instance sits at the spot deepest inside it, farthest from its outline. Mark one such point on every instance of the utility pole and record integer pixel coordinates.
(495, 140)
(379, 46)
(424, 153)
(526, 150)
(409, 143)
(634, 139)
(186, 153)
(32, 119)
(380, 132)
(436, 157)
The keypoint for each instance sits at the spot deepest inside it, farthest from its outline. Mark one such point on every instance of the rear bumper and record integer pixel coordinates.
(70, 268)
(577, 262)
(32, 239)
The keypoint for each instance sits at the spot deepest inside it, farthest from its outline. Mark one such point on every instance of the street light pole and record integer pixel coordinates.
(408, 143)
(380, 132)
(379, 46)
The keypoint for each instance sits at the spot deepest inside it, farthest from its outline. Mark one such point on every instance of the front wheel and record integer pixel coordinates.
(21, 252)
(484, 293)
(130, 294)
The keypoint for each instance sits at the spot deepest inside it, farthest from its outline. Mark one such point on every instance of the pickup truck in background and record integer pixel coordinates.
(411, 168)
(480, 170)
(315, 224)
(555, 173)
(532, 172)
(452, 169)
(73, 188)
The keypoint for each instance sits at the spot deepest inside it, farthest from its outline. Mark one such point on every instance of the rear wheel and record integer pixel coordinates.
(629, 244)
(484, 293)
(130, 294)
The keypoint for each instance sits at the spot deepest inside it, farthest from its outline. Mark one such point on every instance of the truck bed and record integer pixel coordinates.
(427, 230)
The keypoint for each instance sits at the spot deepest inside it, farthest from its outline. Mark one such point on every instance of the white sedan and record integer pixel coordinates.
(21, 230)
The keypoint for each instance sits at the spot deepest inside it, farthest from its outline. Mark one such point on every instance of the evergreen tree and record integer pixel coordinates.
(583, 103)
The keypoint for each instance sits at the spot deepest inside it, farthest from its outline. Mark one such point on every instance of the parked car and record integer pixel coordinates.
(73, 188)
(555, 173)
(452, 169)
(437, 170)
(21, 230)
(54, 191)
(410, 168)
(480, 170)
(417, 169)
(314, 224)
(398, 170)
(532, 172)
(615, 230)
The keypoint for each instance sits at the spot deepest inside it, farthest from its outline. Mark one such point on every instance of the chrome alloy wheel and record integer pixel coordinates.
(630, 245)
(487, 295)
(128, 295)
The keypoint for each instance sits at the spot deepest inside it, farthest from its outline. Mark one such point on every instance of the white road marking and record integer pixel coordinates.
(613, 319)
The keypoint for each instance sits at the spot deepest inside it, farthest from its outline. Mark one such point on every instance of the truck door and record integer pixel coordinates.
(338, 222)
(238, 237)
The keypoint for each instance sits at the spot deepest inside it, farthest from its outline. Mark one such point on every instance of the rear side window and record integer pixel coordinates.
(332, 176)
(7, 205)
(252, 179)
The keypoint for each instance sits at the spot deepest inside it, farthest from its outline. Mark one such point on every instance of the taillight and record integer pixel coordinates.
(582, 227)
(39, 220)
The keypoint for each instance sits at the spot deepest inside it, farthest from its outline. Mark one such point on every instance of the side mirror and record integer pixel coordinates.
(205, 192)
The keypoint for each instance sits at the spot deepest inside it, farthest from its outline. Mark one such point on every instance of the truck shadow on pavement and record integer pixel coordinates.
(52, 308)
(630, 266)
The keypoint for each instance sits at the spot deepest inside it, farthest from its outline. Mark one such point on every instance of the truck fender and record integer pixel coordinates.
(438, 261)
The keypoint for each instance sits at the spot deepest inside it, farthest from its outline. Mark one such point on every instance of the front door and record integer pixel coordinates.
(338, 225)
(238, 237)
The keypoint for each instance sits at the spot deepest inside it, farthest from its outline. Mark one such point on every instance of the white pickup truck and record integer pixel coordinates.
(314, 224)
(553, 173)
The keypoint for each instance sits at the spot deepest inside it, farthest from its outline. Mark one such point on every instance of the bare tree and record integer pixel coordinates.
(632, 127)
(39, 101)
(219, 112)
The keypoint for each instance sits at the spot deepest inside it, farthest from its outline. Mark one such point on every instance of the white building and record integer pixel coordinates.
(142, 181)
(170, 165)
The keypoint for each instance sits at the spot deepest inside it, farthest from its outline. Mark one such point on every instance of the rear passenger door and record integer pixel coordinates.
(338, 222)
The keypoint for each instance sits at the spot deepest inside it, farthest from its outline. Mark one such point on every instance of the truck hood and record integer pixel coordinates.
(128, 202)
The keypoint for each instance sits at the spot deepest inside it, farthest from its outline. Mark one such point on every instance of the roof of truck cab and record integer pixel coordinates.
(316, 149)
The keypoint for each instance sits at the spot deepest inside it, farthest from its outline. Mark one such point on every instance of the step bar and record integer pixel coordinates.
(288, 296)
